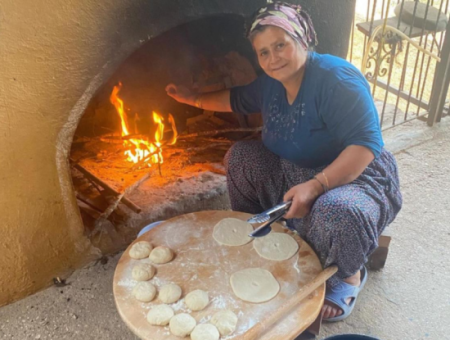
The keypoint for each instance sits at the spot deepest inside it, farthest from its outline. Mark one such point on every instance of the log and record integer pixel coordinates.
(128, 190)
(216, 132)
(89, 204)
(105, 186)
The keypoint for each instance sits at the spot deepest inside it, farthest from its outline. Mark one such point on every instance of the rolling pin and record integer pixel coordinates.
(256, 331)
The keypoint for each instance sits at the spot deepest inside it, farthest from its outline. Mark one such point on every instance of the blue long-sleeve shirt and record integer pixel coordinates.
(333, 109)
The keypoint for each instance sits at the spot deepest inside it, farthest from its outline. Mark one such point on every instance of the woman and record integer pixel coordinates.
(321, 148)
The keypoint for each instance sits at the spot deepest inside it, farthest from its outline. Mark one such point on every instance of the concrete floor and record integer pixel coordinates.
(408, 299)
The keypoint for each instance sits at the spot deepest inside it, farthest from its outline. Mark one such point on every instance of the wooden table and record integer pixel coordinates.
(201, 263)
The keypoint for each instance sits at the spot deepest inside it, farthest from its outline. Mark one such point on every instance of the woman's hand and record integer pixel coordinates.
(181, 94)
(303, 197)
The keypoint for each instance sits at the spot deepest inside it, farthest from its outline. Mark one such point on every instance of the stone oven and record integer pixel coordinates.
(60, 64)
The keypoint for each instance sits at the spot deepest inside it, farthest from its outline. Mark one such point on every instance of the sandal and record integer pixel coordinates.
(338, 294)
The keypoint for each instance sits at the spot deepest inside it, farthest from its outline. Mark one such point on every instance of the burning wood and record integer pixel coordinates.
(141, 150)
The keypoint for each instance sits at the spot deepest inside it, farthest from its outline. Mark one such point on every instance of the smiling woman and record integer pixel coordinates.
(321, 148)
(280, 57)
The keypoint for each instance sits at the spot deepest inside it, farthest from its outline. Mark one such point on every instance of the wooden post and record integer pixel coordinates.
(378, 258)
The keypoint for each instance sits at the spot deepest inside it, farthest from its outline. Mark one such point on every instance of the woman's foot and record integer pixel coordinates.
(330, 310)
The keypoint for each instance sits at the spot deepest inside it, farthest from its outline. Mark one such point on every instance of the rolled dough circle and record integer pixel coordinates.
(254, 285)
(225, 321)
(144, 291)
(170, 293)
(161, 255)
(140, 250)
(232, 232)
(143, 272)
(205, 331)
(197, 300)
(160, 315)
(276, 246)
(182, 324)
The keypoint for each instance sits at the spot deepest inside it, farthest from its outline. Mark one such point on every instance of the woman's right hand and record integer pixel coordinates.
(181, 94)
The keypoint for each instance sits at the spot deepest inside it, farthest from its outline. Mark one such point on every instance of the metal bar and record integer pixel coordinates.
(441, 33)
(402, 80)
(370, 29)
(423, 55)
(381, 42)
(425, 78)
(421, 70)
(400, 14)
(391, 64)
(382, 8)
(406, 121)
(417, 55)
(352, 34)
(410, 32)
(431, 50)
(402, 94)
(414, 17)
(441, 81)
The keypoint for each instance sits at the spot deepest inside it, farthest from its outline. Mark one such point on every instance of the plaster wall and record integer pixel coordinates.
(54, 55)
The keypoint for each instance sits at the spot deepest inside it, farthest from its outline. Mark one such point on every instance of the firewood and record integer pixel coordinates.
(104, 216)
(106, 187)
(216, 132)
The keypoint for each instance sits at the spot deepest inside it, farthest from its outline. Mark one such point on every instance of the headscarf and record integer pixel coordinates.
(289, 17)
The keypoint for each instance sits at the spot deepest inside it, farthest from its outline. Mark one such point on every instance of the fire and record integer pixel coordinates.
(140, 150)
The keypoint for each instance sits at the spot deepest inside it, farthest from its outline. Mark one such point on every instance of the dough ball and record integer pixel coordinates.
(197, 300)
(140, 250)
(254, 285)
(160, 315)
(225, 321)
(143, 272)
(161, 255)
(205, 331)
(276, 246)
(232, 232)
(144, 291)
(170, 293)
(182, 325)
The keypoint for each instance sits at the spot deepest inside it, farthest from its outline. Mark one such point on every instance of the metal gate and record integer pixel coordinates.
(402, 49)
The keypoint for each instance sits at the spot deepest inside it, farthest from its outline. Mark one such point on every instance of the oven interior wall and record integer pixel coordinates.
(202, 55)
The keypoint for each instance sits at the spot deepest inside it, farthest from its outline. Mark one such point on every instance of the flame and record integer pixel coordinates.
(174, 129)
(159, 134)
(118, 103)
(139, 149)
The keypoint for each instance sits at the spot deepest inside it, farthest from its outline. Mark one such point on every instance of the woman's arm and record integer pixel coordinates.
(214, 101)
(350, 163)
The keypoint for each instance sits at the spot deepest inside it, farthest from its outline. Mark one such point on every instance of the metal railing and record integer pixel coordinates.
(401, 48)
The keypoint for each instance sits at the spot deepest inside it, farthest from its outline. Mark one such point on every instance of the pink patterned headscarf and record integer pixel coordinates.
(289, 17)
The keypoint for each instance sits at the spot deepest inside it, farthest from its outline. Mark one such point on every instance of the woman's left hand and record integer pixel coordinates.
(303, 197)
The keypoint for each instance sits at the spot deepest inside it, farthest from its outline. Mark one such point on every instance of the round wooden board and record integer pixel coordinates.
(201, 263)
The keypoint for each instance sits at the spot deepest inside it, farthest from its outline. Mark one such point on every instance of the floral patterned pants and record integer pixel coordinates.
(344, 224)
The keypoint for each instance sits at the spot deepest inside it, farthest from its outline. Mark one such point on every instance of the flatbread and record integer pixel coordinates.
(276, 246)
(254, 285)
(232, 232)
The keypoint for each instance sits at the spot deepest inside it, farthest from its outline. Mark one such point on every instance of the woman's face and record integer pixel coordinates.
(279, 55)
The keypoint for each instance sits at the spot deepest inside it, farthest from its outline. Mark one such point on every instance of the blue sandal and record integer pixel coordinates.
(341, 292)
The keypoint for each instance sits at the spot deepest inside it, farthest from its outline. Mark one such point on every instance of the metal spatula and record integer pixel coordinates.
(265, 216)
